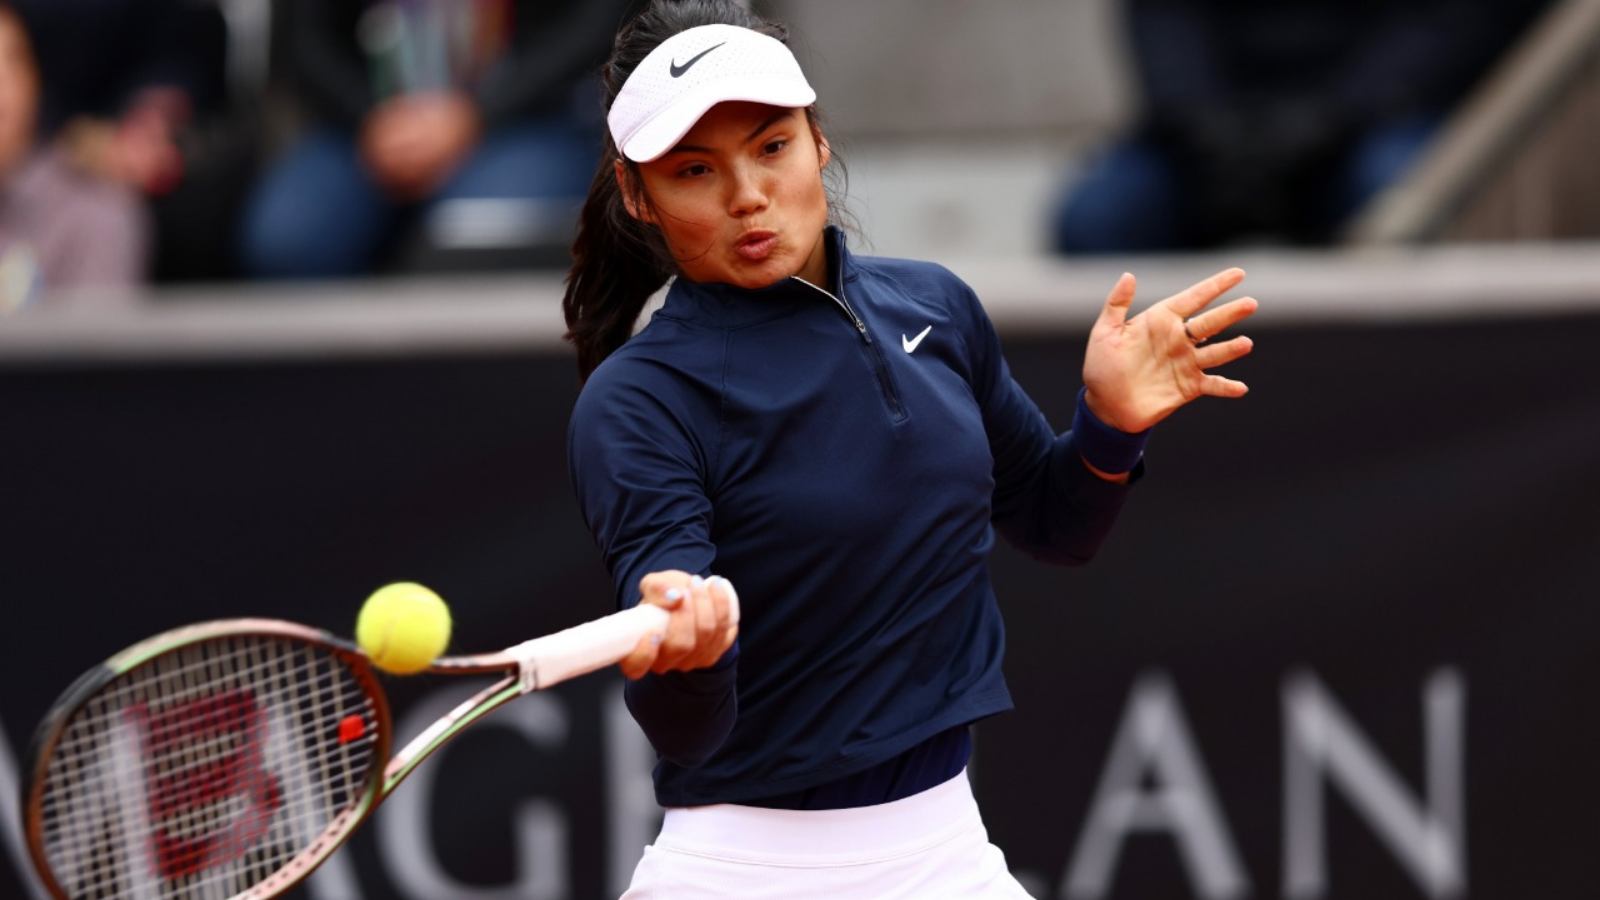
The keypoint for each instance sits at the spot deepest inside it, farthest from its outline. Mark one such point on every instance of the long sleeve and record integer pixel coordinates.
(687, 715)
(1046, 502)
(637, 467)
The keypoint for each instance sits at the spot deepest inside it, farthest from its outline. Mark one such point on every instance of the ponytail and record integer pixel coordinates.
(617, 263)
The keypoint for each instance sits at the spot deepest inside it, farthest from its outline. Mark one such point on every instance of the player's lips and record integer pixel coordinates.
(756, 244)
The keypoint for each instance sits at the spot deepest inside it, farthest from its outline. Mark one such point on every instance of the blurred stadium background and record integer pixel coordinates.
(1339, 646)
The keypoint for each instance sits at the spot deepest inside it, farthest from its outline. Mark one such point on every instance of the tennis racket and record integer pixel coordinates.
(231, 758)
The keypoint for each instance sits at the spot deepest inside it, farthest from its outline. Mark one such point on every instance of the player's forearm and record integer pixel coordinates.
(1069, 511)
(687, 715)
(1053, 505)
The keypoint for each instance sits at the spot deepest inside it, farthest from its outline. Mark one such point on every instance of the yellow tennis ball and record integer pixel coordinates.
(403, 627)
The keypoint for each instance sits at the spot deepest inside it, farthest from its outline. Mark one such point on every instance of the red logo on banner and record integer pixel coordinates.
(197, 756)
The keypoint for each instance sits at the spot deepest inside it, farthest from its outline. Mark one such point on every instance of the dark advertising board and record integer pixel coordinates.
(1340, 644)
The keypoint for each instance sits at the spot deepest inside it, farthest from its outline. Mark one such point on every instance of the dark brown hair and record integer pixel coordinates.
(617, 260)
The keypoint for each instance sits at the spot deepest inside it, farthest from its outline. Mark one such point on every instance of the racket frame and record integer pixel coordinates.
(147, 652)
(529, 666)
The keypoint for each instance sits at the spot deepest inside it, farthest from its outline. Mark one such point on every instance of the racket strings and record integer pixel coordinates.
(79, 741)
(179, 673)
(206, 770)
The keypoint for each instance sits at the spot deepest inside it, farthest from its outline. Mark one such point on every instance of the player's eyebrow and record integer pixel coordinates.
(771, 120)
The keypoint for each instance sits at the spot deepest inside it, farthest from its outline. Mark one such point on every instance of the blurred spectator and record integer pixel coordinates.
(127, 85)
(61, 229)
(1276, 119)
(420, 105)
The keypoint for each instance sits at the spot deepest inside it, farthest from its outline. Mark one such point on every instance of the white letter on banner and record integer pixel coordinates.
(404, 821)
(335, 879)
(1320, 738)
(11, 820)
(1154, 737)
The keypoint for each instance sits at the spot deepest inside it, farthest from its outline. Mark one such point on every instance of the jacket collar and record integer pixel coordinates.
(715, 303)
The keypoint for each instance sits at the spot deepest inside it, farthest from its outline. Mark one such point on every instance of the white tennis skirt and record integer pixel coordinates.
(928, 845)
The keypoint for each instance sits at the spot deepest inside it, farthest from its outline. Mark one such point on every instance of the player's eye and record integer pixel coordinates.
(694, 170)
(774, 147)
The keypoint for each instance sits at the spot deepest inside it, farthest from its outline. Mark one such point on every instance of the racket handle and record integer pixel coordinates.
(552, 659)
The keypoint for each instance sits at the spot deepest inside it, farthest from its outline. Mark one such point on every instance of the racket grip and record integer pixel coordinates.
(552, 659)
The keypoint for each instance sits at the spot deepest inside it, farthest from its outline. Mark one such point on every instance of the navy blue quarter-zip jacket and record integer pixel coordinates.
(844, 455)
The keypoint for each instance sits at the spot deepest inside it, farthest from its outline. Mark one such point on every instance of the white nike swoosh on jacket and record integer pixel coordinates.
(911, 344)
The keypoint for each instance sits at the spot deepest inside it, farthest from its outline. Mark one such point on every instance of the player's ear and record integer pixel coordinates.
(630, 200)
(824, 152)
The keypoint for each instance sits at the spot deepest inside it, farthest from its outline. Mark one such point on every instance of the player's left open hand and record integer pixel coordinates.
(1140, 370)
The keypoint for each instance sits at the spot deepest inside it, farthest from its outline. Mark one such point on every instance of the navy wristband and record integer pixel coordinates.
(1107, 449)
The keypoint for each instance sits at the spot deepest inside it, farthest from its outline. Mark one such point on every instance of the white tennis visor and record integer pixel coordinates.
(694, 70)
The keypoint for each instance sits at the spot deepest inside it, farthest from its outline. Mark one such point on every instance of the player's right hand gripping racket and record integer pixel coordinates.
(230, 758)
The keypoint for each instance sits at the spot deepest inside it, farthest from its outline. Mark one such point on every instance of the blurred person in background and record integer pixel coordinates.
(1276, 119)
(61, 229)
(125, 83)
(412, 103)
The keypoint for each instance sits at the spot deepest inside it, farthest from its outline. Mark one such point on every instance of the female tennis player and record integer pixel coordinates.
(839, 436)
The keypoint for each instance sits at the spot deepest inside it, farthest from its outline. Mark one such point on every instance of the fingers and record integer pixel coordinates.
(1213, 322)
(716, 621)
(703, 625)
(668, 590)
(1115, 312)
(724, 587)
(710, 622)
(678, 641)
(1198, 296)
(635, 664)
(665, 589)
(1212, 355)
(1217, 386)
